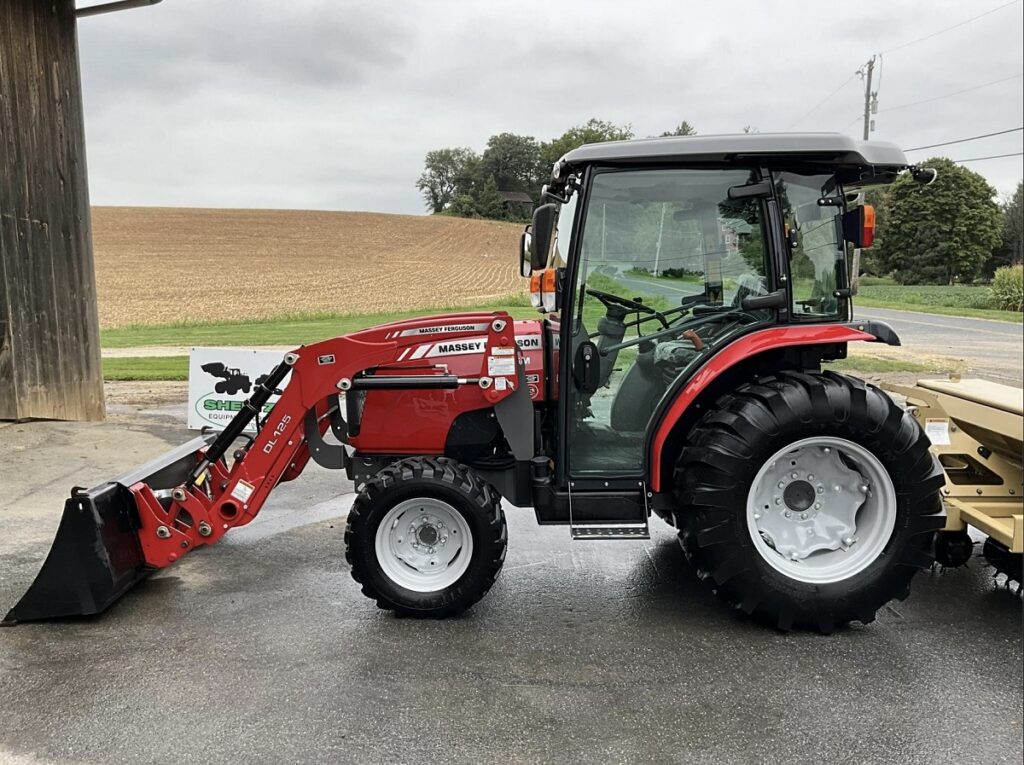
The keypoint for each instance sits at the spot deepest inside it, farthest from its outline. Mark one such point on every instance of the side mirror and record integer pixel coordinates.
(924, 175)
(541, 231)
(525, 246)
(859, 226)
(586, 368)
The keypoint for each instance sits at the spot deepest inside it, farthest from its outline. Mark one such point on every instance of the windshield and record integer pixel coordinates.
(671, 237)
(666, 260)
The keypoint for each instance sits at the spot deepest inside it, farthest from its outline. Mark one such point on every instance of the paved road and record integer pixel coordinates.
(991, 349)
(262, 650)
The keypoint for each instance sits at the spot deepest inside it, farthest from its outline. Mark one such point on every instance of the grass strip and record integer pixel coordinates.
(146, 368)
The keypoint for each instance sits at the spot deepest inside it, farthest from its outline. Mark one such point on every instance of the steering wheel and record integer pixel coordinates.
(610, 300)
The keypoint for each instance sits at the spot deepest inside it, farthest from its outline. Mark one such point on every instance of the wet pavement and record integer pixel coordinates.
(262, 650)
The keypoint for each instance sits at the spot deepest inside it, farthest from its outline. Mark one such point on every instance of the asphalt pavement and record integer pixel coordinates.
(262, 650)
(983, 347)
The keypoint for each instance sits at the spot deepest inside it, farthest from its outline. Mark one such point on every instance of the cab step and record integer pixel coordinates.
(610, 531)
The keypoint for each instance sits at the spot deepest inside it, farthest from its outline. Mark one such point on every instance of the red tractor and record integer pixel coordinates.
(691, 289)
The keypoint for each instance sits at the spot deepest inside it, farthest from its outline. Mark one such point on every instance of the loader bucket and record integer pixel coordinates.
(96, 556)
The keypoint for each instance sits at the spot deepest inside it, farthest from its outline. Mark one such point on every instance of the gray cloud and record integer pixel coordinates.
(328, 104)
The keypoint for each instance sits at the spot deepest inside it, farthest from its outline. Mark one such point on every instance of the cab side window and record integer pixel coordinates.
(816, 252)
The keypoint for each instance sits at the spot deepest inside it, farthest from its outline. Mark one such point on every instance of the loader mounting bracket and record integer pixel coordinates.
(331, 456)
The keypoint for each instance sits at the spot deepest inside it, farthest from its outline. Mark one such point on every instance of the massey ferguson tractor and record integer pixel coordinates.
(690, 291)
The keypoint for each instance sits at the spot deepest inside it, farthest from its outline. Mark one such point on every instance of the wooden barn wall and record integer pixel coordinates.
(49, 333)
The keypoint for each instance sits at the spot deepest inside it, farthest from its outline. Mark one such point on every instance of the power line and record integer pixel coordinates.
(955, 93)
(949, 29)
(994, 156)
(965, 140)
(823, 101)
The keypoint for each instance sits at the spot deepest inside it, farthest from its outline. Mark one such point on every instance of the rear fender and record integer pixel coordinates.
(740, 351)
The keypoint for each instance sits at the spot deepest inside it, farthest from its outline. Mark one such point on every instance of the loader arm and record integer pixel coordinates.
(217, 498)
(112, 536)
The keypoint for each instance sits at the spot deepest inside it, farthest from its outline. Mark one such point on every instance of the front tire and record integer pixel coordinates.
(426, 537)
(808, 500)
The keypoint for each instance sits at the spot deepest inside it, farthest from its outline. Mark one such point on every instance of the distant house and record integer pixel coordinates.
(518, 204)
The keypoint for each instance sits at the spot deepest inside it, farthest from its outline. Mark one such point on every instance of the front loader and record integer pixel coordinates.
(690, 291)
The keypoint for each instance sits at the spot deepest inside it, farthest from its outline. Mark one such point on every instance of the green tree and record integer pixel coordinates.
(683, 128)
(512, 161)
(488, 202)
(592, 131)
(940, 233)
(440, 178)
(1011, 250)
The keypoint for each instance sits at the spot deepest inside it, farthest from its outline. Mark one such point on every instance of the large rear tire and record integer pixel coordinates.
(426, 537)
(808, 500)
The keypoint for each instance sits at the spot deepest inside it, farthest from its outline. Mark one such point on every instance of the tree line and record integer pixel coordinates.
(459, 181)
(948, 232)
(951, 231)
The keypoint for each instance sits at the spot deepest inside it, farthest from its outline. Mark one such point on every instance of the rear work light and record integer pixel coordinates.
(867, 236)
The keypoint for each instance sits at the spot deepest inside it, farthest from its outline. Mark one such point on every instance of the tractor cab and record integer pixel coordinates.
(649, 258)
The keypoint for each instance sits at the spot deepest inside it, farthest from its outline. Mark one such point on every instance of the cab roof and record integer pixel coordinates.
(839, 153)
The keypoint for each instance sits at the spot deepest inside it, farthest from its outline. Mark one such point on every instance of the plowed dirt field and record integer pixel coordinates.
(162, 265)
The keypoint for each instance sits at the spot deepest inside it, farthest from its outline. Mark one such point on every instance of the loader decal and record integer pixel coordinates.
(441, 329)
(454, 348)
(278, 432)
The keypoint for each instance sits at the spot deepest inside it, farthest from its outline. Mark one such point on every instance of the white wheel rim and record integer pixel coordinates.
(821, 510)
(424, 545)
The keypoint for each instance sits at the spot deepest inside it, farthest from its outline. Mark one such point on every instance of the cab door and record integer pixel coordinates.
(661, 262)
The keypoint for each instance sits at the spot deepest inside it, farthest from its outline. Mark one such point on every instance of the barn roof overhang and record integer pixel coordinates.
(118, 5)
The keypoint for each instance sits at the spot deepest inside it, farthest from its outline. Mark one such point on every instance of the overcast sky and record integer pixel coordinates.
(332, 105)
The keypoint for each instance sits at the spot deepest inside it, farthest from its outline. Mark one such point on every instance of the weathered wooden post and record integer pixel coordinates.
(49, 332)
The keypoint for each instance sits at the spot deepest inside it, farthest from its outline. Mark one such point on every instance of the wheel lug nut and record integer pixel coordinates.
(788, 514)
(810, 477)
(794, 475)
(778, 501)
(803, 516)
(864, 487)
(849, 541)
(757, 516)
(782, 485)
(817, 506)
(821, 490)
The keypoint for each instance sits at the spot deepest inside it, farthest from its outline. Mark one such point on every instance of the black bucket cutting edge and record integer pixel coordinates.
(96, 555)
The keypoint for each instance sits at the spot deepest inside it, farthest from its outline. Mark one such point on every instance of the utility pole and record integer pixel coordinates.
(870, 98)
